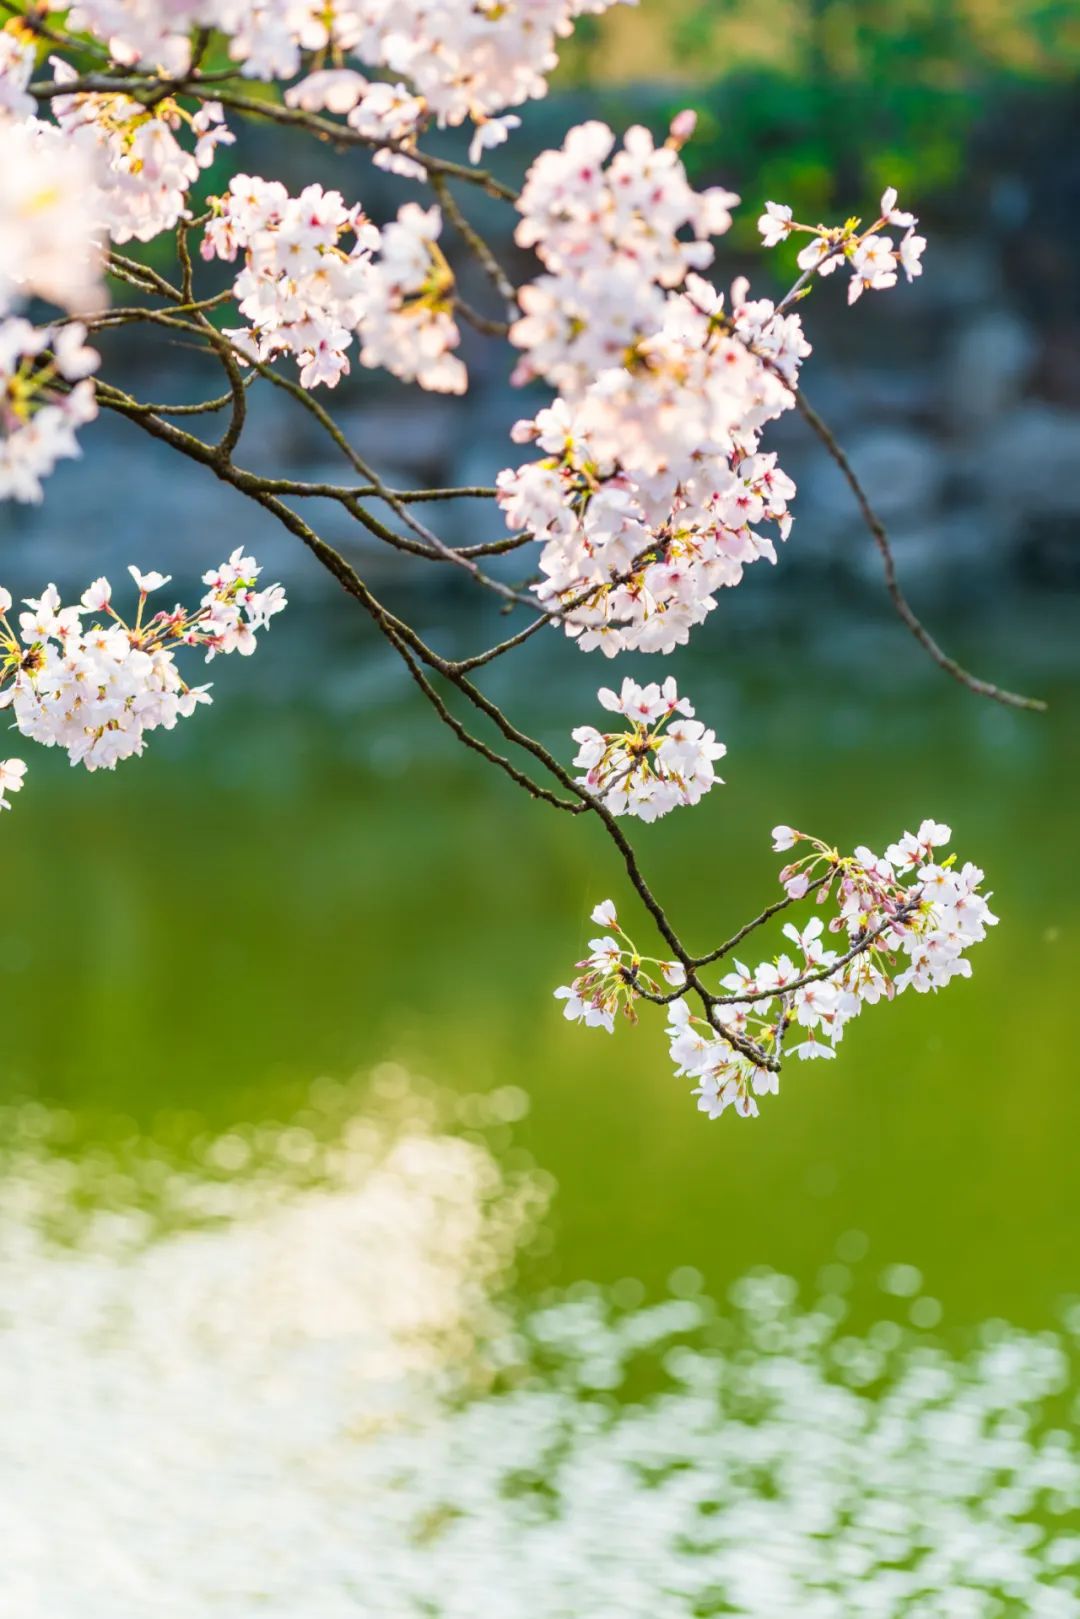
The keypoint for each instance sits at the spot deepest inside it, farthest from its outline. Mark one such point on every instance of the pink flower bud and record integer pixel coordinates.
(683, 126)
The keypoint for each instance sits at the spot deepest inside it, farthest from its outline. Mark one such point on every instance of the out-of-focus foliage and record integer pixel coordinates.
(823, 100)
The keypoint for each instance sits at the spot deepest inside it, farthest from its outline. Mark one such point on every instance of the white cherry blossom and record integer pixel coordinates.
(775, 224)
(12, 772)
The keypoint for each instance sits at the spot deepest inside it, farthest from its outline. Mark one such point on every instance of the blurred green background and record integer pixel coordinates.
(282, 896)
(813, 96)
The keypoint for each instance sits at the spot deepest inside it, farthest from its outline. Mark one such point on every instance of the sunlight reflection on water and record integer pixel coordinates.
(289, 1378)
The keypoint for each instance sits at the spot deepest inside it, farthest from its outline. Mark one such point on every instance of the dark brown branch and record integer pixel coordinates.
(118, 81)
(121, 315)
(654, 996)
(531, 787)
(355, 586)
(427, 544)
(464, 492)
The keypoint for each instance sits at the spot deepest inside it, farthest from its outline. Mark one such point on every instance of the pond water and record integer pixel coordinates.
(338, 1275)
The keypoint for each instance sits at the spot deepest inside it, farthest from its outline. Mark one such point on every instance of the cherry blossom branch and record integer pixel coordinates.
(342, 135)
(407, 642)
(863, 942)
(649, 493)
(435, 549)
(432, 544)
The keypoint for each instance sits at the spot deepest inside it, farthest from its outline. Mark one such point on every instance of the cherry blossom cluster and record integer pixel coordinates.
(652, 490)
(48, 249)
(128, 174)
(108, 167)
(267, 39)
(665, 759)
(82, 678)
(38, 420)
(904, 920)
(470, 58)
(872, 258)
(144, 172)
(640, 520)
(465, 59)
(610, 240)
(141, 30)
(305, 292)
(300, 288)
(613, 976)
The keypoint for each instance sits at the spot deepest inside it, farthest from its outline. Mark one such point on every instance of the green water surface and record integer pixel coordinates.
(195, 939)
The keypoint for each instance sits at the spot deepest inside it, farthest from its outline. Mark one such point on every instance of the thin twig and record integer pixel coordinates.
(982, 688)
(477, 247)
(818, 976)
(344, 135)
(758, 921)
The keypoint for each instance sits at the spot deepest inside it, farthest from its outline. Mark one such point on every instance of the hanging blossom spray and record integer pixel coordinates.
(640, 488)
(83, 679)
